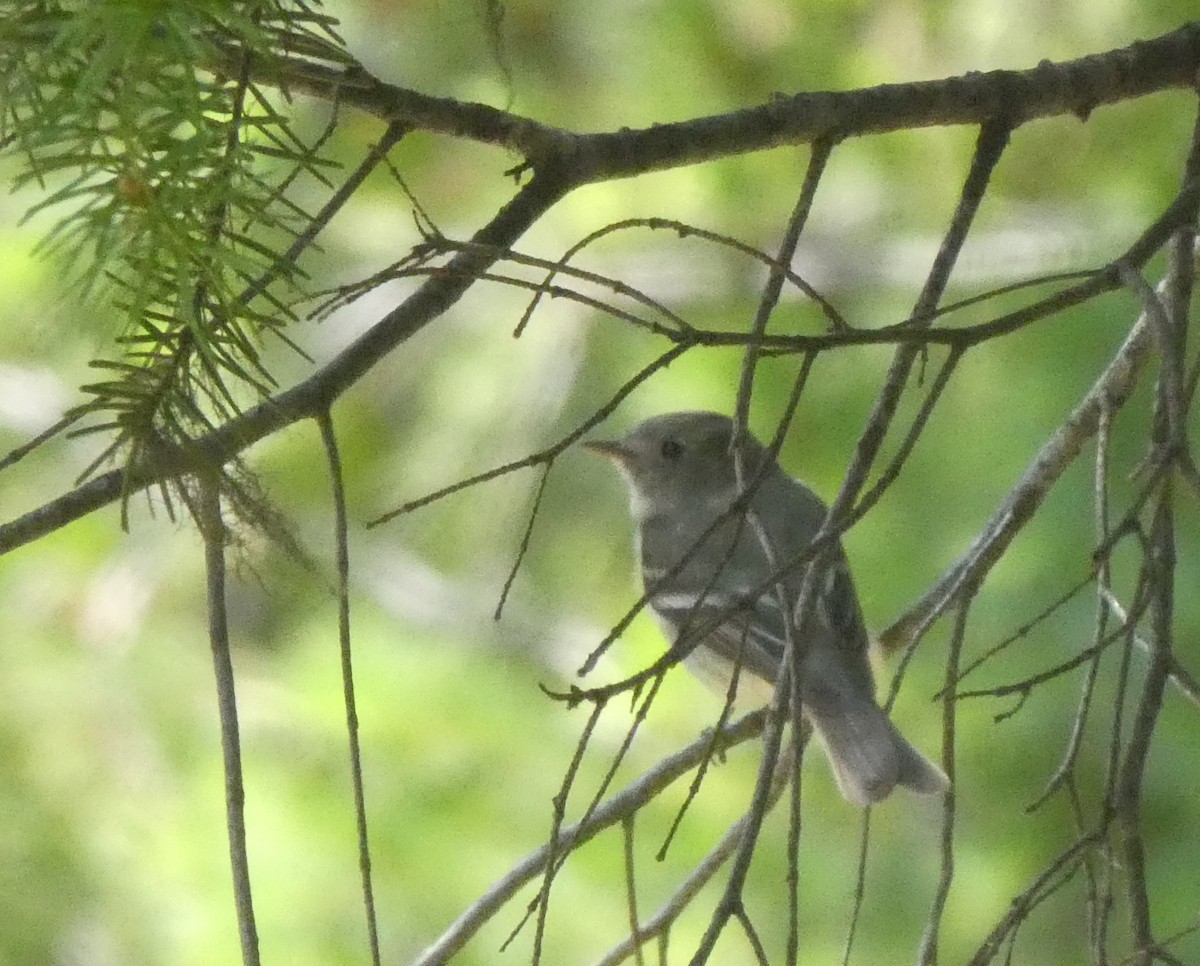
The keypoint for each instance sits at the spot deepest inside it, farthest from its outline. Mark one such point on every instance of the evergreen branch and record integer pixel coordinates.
(163, 193)
(307, 398)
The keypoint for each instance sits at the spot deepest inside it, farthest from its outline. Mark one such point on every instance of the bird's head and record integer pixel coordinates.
(678, 460)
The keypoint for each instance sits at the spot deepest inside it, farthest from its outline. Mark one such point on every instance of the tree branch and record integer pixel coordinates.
(342, 556)
(624, 803)
(213, 530)
(311, 397)
(1110, 391)
(1074, 87)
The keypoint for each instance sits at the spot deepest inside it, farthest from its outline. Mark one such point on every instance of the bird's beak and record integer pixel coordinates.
(608, 448)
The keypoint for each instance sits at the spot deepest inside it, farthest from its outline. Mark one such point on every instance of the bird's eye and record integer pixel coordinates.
(671, 449)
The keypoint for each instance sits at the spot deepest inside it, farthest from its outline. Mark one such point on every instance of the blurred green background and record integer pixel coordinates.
(112, 841)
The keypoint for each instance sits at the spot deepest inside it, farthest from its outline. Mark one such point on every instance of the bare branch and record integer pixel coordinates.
(635, 932)
(443, 288)
(1019, 907)
(625, 803)
(546, 456)
(928, 951)
(1182, 680)
(212, 528)
(1074, 87)
(1106, 396)
(664, 918)
(1060, 450)
(553, 864)
(342, 553)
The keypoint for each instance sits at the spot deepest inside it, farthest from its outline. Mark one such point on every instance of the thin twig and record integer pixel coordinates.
(544, 456)
(342, 545)
(639, 717)
(1179, 677)
(1102, 514)
(1024, 630)
(775, 278)
(212, 529)
(1026, 684)
(892, 471)
(698, 778)
(526, 537)
(416, 265)
(756, 946)
(1019, 907)
(635, 932)
(731, 899)
(559, 811)
(928, 951)
(20, 452)
(817, 161)
(860, 885)
(391, 137)
(684, 230)
(562, 267)
(658, 924)
(555, 863)
(1128, 792)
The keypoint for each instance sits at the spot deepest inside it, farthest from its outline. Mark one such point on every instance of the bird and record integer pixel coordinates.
(682, 478)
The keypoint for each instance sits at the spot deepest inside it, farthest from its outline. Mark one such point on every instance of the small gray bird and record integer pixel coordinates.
(681, 477)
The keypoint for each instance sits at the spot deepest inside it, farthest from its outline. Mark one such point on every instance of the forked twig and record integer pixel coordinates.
(626, 802)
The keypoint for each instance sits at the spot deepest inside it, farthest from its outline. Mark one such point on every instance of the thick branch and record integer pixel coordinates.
(313, 396)
(1012, 96)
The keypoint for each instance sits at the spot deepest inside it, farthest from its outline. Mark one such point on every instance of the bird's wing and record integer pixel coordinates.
(837, 609)
(755, 631)
(751, 634)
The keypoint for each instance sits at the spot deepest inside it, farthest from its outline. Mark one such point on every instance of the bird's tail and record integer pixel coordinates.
(869, 756)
